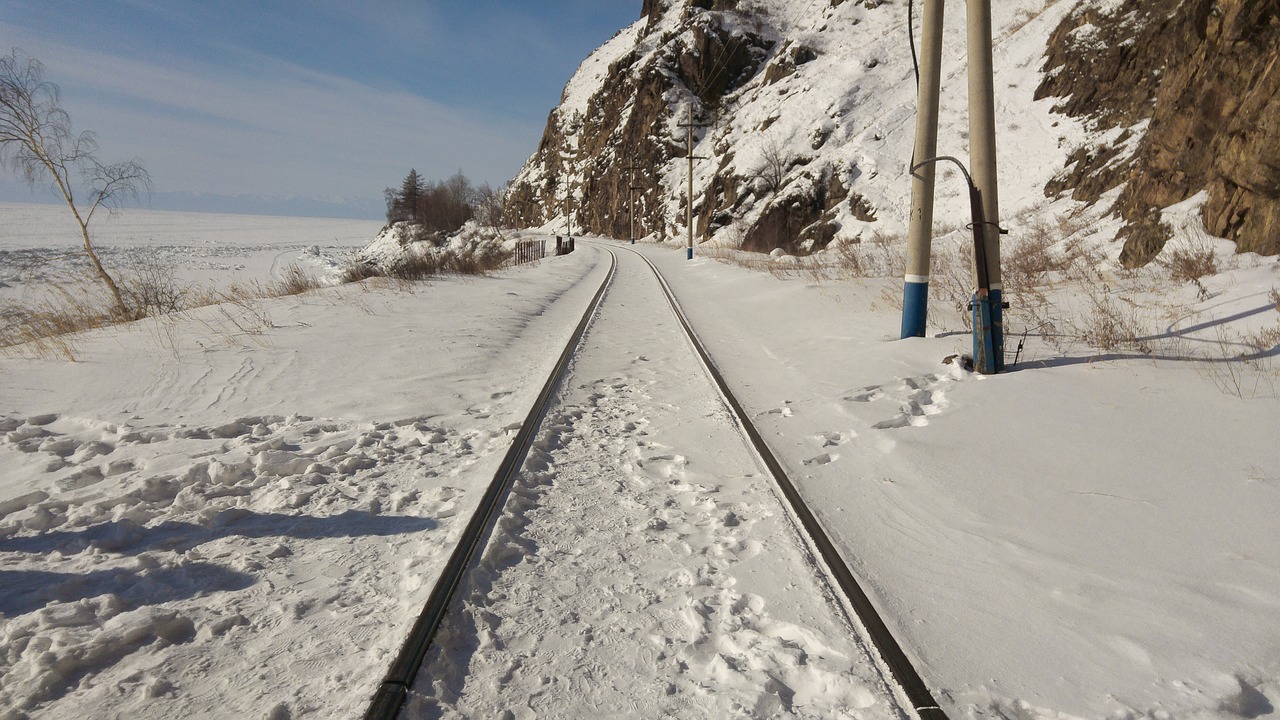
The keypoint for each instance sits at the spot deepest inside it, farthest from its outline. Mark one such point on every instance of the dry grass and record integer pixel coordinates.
(49, 326)
(294, 281)
(879, 255)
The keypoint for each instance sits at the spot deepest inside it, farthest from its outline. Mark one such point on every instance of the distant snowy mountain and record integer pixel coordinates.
(804, 115)
(349, 208)
(357, 208)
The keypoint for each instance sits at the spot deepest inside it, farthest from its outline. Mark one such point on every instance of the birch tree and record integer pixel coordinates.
(37, 141)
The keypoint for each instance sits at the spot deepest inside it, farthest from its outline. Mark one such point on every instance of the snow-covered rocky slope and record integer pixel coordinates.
(810, 112)
(804, 114)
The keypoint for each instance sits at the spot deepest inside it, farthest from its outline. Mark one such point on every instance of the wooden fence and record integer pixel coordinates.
(530, 251)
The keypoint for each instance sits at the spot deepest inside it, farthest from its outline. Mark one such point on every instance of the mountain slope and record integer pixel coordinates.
(1195, 86)
(810, 111)
(805, 120)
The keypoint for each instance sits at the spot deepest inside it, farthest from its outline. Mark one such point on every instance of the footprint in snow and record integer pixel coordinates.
(833, 439)
(921, 398)
(866, 394)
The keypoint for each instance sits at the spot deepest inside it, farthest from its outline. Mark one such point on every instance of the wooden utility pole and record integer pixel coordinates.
(689, 154)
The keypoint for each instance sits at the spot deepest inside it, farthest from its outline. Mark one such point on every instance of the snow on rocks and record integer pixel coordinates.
(408, 241)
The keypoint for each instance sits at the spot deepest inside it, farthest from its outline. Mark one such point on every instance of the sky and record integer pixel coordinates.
(309, 108)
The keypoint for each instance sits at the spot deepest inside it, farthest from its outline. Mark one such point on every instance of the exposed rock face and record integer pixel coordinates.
(1191, 92)
(625, 115)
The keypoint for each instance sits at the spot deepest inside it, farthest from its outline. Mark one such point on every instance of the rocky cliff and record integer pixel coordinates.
(803, 116)
(1183, 96)
(776, 152)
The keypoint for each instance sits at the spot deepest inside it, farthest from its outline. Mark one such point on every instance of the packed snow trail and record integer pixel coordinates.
(643, 565)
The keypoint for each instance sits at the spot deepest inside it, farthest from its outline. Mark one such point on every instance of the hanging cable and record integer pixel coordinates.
(911, 40)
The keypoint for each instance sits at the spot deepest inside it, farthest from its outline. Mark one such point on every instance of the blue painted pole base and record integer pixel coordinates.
(690, 257)
(984, 357)
(997, 329)
(915, 308)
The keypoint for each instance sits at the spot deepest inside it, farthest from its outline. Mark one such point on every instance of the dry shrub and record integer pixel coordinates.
(1247, 375)
(1275, 298)
(1266, 340)
(150, 288)
(1190, 264)
(357, 272)
(880, 255)
(473, 251)
(759, 262)
(294, 281)
(951, 284)
(1026, 262)
(476, 259)
(850, 261)
(416, 266)
(1111, 324)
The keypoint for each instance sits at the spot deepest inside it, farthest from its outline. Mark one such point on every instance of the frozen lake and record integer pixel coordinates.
(43, 242)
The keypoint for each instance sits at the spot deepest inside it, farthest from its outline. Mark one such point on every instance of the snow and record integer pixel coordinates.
(200, 520)
(204, 248)
(238, 510)
(848, 113)
(641, 482)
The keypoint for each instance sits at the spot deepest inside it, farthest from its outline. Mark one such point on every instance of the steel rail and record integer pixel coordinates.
(891, 653)
(394, 689)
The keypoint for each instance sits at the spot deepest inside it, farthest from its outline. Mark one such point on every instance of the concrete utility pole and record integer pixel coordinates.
(633, 190)
(689, 154)
(982, 163)
(568, 224)
(987, 305)
(915, 288)
(631, 200)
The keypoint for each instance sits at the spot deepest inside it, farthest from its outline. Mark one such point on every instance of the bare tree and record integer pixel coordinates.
(776, 165)
(490, 205)
(36, 138)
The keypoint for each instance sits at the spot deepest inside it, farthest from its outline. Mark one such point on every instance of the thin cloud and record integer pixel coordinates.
(266, 126)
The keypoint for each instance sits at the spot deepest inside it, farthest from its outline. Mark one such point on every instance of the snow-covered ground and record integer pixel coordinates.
(237, 512)
(646, 561)
(43, 242)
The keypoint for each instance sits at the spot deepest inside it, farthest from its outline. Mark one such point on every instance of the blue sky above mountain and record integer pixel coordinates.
(317, 101)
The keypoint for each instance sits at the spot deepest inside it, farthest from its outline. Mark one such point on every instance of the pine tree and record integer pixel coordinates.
(403, 205)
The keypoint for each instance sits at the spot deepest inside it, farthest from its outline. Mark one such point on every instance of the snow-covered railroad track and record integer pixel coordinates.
(891, 653)
(390, 695)
(644, 562)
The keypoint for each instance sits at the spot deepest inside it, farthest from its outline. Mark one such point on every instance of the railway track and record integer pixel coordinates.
(392, 693)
